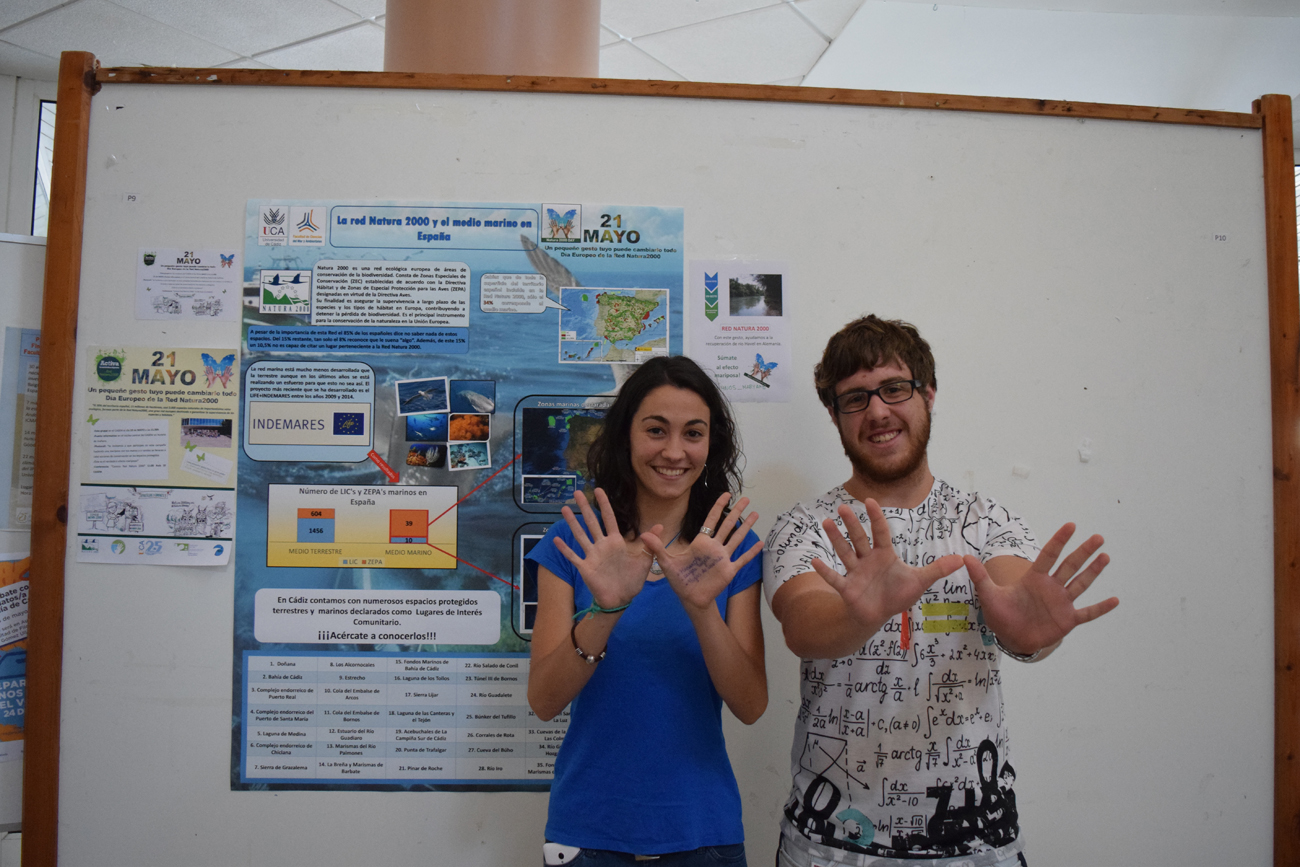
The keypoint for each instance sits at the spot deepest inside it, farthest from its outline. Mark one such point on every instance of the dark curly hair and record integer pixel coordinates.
(867, 343)
(609, 460)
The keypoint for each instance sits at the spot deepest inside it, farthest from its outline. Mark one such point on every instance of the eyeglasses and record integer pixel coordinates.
(890, 392)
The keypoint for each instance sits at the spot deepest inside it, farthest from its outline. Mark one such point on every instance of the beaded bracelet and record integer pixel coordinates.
(595, 609)
(582, 654)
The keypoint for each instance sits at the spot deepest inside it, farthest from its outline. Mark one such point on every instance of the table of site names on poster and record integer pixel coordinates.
(394, 718)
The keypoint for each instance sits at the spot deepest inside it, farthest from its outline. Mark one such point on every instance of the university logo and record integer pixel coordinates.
(306, 227)
(271, 229)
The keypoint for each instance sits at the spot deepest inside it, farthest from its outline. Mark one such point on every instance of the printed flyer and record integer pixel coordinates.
(157, 481)
(419, 384)
(173, 284)
(740, 327)
(14, 583)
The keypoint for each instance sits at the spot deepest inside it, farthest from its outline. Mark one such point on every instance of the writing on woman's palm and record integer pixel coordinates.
(705, 568)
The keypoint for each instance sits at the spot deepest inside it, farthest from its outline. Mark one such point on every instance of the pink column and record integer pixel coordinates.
(493, 37)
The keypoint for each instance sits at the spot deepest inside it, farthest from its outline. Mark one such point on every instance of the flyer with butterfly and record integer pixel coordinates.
(159, 437)
(175, 283)
(740, 332)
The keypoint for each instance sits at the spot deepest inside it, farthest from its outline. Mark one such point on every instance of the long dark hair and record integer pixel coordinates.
(609, 460)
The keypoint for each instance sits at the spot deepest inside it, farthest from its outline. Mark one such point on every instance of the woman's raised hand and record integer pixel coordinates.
(613, 570)
(705, 568)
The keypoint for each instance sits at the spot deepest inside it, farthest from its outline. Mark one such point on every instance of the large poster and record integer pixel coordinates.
(419, 384)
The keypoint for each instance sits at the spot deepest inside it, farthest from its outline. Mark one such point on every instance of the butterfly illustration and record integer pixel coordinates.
(227, 261)
(561, 224)
(221, 370)
(763, 369)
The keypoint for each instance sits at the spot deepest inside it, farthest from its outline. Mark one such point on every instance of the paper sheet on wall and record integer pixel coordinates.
(14, 583)
(174, 283)
(18, 381)
(157, 485)
(740, 332)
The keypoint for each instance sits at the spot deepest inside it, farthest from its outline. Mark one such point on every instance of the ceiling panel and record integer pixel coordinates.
(757, 47)
(639, 18)
(245, 63)
(13, 11)
(365, 8)
(28, 64)
(246, 27)
(357, 48)
(830, 16)
(1254, 8)
(625, 60)
(117, 36)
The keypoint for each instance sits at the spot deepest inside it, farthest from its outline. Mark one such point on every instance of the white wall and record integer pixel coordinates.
(20, 115)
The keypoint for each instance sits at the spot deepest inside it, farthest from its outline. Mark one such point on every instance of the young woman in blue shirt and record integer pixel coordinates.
(647, 623)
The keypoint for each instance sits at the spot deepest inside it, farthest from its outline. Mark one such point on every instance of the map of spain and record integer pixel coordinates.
(613, 325)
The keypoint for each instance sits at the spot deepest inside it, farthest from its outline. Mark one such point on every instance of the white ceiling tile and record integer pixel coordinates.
(365, 8)
(639, 18)
(767, 45)
(359, 48)
(830, 16)
(244, 63)
(625, 60)
(13, 11)
(116, 36)
(1250, 8)
(787, 82)
(607, 36)
(247, 27)
(27, 64)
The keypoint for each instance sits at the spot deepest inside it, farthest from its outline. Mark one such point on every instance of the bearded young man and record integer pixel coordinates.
(900, 753)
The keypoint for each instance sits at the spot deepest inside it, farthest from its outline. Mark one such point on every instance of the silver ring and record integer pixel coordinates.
(706, 531)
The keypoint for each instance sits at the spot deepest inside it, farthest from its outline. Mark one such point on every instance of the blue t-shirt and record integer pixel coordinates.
(644, 766)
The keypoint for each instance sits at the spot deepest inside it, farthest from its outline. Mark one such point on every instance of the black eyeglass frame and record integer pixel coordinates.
(876, 392)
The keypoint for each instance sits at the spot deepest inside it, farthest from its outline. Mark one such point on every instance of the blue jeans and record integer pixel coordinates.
(706, 856)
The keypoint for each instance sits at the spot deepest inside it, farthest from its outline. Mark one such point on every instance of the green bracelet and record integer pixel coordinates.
(595, 609)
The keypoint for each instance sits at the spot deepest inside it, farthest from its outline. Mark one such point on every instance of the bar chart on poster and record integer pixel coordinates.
(337, 525)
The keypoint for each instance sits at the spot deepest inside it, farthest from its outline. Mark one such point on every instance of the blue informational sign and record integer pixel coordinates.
(419, 383)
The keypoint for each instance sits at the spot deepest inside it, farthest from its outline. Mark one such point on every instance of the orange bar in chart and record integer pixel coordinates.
(408, 527)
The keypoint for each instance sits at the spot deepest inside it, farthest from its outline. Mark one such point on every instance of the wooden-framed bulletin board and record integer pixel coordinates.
(1111, 282)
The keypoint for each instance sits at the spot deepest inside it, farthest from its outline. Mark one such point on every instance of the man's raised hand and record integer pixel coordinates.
(1037, 611)
(876, 585)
